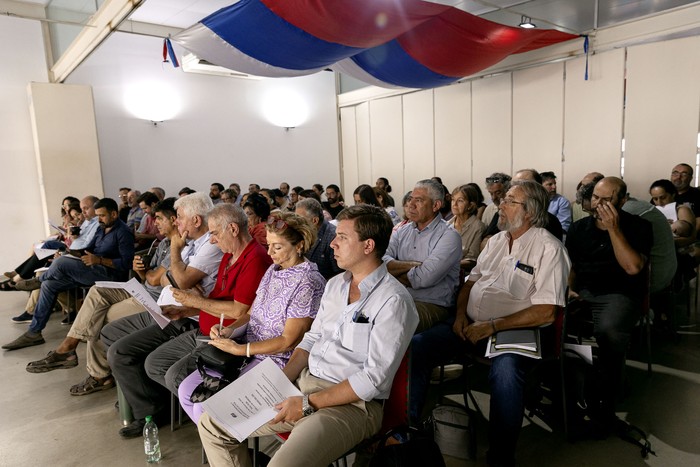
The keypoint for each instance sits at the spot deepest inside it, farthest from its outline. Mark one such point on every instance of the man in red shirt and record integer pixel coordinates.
(150, 359)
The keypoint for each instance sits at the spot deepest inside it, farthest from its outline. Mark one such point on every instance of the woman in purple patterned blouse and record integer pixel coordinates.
(286, 303)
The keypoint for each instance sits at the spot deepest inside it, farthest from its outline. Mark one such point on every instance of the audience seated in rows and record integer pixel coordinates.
(107, 257)
(342, 369)
(79, 241)
(135, 351)
(285, 304)
(104, 305)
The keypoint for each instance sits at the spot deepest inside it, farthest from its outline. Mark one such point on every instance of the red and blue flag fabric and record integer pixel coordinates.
(389, 43)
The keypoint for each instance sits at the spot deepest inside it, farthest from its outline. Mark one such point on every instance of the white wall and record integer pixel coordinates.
(22, 56)
(220, 134)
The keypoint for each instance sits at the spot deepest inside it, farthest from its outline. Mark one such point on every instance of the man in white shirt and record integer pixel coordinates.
(345, 362)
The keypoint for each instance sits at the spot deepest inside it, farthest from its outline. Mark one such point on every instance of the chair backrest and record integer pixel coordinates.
(396, 406)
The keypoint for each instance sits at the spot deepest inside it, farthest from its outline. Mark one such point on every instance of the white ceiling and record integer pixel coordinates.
(576, 16)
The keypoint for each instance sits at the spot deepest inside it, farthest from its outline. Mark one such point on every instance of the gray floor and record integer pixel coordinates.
(42, 424)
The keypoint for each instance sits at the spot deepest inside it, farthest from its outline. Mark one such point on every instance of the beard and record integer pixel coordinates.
(505, 225)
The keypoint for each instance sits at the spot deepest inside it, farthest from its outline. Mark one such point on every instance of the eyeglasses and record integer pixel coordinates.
(509, 201)
(277, 223)
(496, 180)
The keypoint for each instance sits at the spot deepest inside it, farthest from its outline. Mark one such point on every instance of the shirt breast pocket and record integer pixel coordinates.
(356, 337)
(516, 282)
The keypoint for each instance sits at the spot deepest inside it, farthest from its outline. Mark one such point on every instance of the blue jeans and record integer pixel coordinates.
(437, 346)
(507, 407)
(430, 348)
(64, 274)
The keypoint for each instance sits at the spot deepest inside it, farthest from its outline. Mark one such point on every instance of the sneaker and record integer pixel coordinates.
(53, 361)
(25, 340)
(23, 318)
(28, 285)
(68, 320)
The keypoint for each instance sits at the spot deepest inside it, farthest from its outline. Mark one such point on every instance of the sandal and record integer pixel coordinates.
(90, 385)
(7, 286)
(53, 361)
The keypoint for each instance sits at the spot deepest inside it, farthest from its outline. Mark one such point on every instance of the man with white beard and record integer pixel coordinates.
(518, 282)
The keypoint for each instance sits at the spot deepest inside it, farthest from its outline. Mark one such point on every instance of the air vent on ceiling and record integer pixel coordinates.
(193, 64)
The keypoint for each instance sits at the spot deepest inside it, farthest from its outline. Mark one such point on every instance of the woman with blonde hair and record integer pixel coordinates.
(285, 305)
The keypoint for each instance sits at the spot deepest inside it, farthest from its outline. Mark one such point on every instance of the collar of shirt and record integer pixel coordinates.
(432, 226)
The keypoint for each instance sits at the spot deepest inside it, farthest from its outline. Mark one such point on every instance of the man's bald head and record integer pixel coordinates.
(592, 177)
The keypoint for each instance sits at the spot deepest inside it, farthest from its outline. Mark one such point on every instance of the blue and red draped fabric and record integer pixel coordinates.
(169, 52)
(390, 43)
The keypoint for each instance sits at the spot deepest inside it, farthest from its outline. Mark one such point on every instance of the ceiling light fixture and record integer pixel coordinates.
(526, 22)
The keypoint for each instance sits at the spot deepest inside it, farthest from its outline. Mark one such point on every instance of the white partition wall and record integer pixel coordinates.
(348, 130)
(492, 126)
(418, 137)
(364, 150)
(593, 112)
(538, 119)
(663, 105)
(453, 151)
(550, 118)
(386, 127)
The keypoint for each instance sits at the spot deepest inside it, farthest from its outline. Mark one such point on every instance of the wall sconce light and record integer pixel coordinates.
(285, 108)
(526, 22)
(153, 102)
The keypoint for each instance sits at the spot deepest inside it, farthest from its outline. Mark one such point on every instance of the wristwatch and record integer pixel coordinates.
(306, 408)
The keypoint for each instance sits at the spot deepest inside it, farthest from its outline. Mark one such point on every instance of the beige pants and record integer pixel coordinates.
(429, 315)
(316, 440)
(65, 299)
(100, 307)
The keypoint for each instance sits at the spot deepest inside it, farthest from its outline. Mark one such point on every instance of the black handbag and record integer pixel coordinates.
(229, 365)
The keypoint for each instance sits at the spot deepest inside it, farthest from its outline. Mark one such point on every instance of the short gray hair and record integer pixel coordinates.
(195, 204)
(312, 207)
(536, 201)
(434, 189)
(224, 214)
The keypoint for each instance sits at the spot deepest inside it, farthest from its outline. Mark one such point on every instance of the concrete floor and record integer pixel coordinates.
(43, 425)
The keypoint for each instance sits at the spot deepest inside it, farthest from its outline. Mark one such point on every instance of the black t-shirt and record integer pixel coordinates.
(692, 198)
(333, 211)
(593, 258)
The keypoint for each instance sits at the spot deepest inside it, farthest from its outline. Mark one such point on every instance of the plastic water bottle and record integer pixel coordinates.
(151, 444)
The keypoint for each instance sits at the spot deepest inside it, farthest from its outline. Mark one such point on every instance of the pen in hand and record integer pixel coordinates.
(221, 324)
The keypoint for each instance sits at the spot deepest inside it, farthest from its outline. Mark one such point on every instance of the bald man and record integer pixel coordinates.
(609, 251)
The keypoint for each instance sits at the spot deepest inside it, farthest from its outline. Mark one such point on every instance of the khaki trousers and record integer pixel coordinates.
(100, 307)
(429, 315)
(316, 440)
(65, 299)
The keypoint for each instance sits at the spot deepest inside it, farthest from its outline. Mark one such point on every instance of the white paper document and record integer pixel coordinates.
(249, 402)
(240, 331)
(42, 252)
(140, 293)
(669, 211)
(166, 297)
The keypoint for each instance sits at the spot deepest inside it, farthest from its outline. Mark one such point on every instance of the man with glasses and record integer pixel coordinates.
(497, 184)
(518, 282)
(609, 251)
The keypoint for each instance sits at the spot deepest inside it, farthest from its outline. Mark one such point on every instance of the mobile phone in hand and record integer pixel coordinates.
(170, 277)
